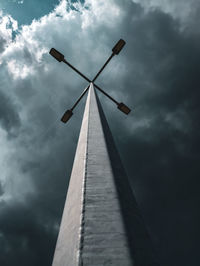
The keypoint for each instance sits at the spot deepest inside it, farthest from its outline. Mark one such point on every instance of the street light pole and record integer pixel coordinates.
(67, 115)
(82, 75)
(60, 58)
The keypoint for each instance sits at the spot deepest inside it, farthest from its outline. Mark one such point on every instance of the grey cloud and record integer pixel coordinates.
(163, 154)
(2, 44)
(23, 234)
(9, 117)
(1, 189)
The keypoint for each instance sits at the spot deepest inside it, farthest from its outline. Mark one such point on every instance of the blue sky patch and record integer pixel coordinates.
(24, 11)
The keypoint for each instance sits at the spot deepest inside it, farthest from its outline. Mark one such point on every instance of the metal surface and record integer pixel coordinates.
(101, 224)
(103, 238)
(67, 252)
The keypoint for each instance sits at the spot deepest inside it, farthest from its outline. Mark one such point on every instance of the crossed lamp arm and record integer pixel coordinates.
(115, 51)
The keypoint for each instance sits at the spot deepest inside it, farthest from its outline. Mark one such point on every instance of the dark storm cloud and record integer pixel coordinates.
(23, 234)
(157, 75)
(9, 117)
(164, 142)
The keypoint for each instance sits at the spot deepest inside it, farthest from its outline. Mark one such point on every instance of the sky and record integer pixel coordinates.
(156, 75)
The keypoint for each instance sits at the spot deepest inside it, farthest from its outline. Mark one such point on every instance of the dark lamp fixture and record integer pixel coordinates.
(122, 107)
(118, 46)
(67, 115)
(57, 55)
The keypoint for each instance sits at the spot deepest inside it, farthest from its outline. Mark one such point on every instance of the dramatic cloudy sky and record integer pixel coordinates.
(157, 74)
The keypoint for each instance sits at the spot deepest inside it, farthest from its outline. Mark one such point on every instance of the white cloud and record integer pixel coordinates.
(60, 26)
(37, 83)
(100, 12)
(19, 70)
(7, 26)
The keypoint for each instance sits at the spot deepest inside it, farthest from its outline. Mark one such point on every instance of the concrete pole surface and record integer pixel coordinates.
(101, 223)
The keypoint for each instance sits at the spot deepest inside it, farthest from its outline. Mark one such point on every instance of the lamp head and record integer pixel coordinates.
(122, 107)
(67, 115)
(57, 55)
(118, 46)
